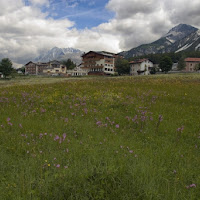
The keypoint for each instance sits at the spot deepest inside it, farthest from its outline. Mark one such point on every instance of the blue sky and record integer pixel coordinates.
(84, 13)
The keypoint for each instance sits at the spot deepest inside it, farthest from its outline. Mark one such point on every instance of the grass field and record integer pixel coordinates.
(100, 138)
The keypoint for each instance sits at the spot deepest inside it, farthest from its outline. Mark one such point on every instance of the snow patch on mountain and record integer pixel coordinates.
(184, 47)
(197, 47)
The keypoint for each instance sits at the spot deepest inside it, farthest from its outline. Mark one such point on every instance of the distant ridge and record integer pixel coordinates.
(182, 37)
(60, 54)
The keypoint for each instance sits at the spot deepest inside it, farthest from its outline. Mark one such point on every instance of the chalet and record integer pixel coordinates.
(140, 67)
(99, 62)
(41, 68)
(35, 68)
(191, 64)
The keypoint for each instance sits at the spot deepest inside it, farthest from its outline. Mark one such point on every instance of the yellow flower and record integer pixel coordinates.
(45, 160)
(49, 165)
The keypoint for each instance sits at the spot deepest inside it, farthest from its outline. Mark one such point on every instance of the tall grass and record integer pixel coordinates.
(104, 138)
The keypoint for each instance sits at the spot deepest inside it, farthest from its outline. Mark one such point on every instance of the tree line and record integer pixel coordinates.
(164, 61)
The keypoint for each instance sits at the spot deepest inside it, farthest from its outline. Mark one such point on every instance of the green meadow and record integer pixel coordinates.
(105, 138)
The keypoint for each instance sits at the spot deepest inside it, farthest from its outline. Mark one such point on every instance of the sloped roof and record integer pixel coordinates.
(29, 62)
(192, 60)
(104, 53)
(138, 61)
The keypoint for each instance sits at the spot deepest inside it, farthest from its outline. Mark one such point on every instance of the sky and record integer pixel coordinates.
(29, 27)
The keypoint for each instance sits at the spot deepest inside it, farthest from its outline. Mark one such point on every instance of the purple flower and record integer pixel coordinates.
(180, 129)
(56, 137)
(131, 151)
(193, 185)
(58, 165)
(160, 118)
(64, 136)
(20, 125)
(117, 126)
(10, 124)
(8, 119)
(135, 118)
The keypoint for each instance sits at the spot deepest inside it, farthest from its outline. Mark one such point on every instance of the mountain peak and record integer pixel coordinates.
(183, 28)
(57, 53)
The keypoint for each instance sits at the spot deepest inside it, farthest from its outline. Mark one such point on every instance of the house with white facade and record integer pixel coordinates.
(77, 71)
(140, 67)
(61, 69)
(99, 62)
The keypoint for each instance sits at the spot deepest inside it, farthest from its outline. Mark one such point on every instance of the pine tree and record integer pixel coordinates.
(6, 67)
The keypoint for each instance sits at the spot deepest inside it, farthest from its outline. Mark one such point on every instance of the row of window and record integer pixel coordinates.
(96, 69)
(108, 65)
(108, 69)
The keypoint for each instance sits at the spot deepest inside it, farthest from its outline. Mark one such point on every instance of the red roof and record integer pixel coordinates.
(192, 60)
(138, 61)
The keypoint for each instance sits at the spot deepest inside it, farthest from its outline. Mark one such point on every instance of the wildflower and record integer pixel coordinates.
(193, 185)
(64, 136)
(160, 118)
(131, 151)
(8, 119)
(45, 160)
(180, 129)
(20, 125)
(58, 165)
(55, 158)
(49, 165)
(117, 126)
(65, 167)
(56, 137)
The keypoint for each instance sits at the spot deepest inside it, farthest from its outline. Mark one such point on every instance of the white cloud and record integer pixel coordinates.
(25, 30)
(39, 2)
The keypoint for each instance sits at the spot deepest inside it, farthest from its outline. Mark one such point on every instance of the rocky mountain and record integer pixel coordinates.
(60, 54)
(181, 37)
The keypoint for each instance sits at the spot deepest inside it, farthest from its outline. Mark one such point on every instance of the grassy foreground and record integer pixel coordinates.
(105, 138)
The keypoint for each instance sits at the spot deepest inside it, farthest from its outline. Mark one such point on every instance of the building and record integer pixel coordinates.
(77, 71)
(140, 67)
(99, 62)
(43, 68)
(191, 64)
(35, 68)
(56, 70)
